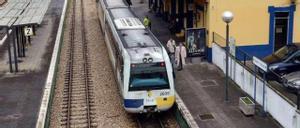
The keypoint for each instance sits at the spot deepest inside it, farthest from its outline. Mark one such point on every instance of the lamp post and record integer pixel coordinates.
(227, 18)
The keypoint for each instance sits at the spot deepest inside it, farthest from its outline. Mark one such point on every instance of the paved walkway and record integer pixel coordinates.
(34, 52)
(159, 26)
(20, 94)
(201, 86)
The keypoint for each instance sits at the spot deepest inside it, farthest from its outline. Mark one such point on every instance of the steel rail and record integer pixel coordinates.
(70, 64)
(149, 122)
(70, 67)
(86, 71)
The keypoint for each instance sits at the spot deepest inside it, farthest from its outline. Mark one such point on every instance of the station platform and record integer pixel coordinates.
(33, 53)
(21, 93)
(201, 87)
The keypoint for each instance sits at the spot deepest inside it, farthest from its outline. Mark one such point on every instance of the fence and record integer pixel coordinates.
(241, 72)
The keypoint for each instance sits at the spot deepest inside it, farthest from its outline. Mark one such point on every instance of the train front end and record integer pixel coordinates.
(150, 86)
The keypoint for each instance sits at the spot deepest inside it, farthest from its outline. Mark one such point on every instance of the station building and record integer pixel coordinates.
(259, 27)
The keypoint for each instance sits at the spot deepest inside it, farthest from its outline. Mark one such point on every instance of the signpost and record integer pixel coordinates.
(232, 46)
(263, 66)
(232, 52)
(259, 63)
(28, 31)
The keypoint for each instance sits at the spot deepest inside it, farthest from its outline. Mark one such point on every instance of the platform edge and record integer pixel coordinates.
(43, 111)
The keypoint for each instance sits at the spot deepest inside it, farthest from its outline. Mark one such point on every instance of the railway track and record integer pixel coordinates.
(149, 121)
(77, 95)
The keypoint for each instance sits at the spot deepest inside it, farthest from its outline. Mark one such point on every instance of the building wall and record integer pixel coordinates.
(251, 24)
(250, 27)
(251, 19)
(296, 37)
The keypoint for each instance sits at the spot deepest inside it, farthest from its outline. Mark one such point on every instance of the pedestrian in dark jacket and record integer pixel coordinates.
(129, 3)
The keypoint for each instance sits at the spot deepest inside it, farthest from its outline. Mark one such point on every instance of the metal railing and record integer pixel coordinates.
(245, 60)
(240, 56)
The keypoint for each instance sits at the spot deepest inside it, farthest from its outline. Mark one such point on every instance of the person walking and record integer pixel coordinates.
(129, 3)
(171, 45)
(147, 22)
(180, 55)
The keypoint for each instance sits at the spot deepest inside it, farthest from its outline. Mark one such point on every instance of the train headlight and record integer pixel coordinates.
(150, 60)
(145, 60)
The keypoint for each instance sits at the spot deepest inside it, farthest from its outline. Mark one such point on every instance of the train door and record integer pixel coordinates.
(281, 29)
(120, 70)
(110, 43)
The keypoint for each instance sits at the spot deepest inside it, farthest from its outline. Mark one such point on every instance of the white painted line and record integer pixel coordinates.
(185, 112)
(48, 85)
(4, 38)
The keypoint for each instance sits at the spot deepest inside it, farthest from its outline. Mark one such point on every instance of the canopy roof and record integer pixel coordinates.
(23, 12)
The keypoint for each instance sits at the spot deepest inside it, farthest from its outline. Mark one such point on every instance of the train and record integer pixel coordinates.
(141, 65)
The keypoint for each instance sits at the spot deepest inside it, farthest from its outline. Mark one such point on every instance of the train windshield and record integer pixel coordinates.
(148, 78)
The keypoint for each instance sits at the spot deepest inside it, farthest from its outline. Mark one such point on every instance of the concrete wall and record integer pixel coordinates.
(280, 108)
(297, 23)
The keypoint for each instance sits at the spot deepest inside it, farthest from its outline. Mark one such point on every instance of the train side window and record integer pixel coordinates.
(112, 41)
(121, 66)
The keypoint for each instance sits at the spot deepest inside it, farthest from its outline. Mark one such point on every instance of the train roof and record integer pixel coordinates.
(122, 12)
(114, 3)
(136, 39)
(137, 55)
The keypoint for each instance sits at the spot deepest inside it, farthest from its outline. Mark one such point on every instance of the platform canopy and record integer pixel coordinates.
(23, 12)
(34, 13)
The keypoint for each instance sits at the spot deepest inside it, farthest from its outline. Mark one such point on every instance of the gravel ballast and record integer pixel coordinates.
(108, 107)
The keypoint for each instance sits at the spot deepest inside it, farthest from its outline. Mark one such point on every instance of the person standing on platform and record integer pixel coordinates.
(180, 55)
(147, 22)
(171, 45)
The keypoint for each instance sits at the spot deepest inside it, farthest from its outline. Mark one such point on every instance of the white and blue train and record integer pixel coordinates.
(140, 63)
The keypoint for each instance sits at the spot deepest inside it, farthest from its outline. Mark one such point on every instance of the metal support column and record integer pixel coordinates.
(15, 51)
(227, 49)
(264, 94)
(33, 29)
(9, 50)
(150, 4)
(254, 95)
(190, 14)
(23, 41)
(180, 15)
(18, 41)
(29, 40)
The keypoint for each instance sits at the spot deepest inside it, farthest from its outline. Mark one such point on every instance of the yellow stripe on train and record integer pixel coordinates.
(165, 101)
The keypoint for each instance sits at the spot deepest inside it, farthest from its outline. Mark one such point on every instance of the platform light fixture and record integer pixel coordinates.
(227, 18)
